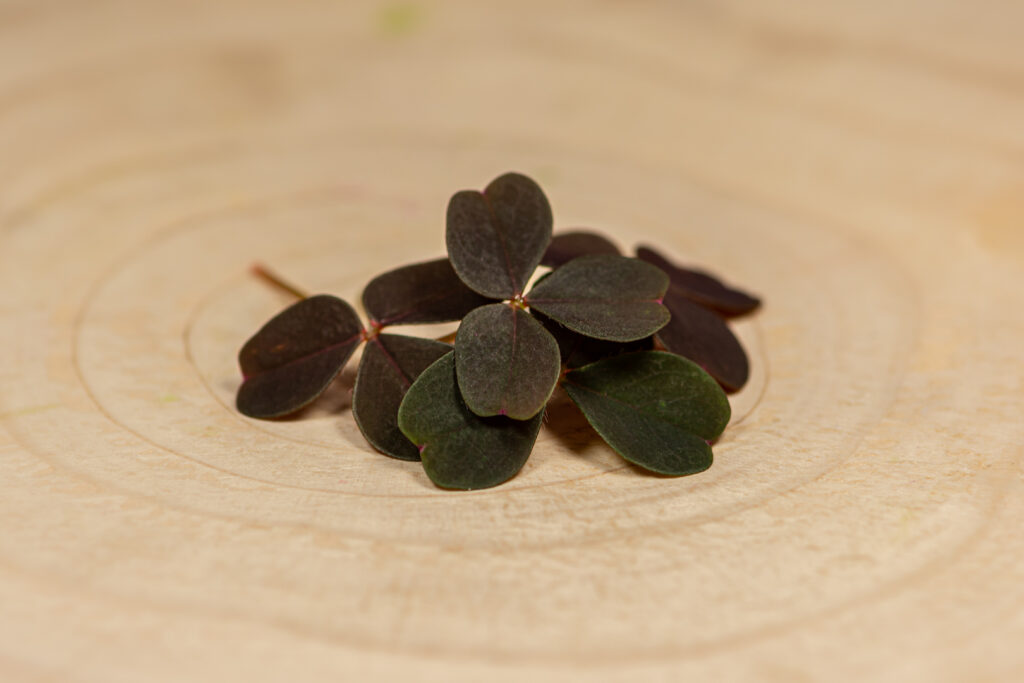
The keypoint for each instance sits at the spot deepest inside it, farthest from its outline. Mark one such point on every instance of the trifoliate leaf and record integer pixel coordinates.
(656, 409)
(604, 296)
(389, 366)
(565, 246)
(506, 362)
(428, 292)
(704, 337)
(461, 450)
(296, 355)
(496, 238)
(701, 287)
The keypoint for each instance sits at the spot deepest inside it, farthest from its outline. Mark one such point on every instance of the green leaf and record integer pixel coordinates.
(496, 238)
(703, 337)
(700, 286)
(296, 355)
(656, 409)
(461, 450)
(506, 362)
(604, 296)
(565, 246)
(389, 366)
(427, 292)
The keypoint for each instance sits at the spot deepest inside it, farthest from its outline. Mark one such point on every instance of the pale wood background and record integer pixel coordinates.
(859, 164)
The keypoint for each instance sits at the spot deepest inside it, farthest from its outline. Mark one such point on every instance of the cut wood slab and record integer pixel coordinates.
(860, 166)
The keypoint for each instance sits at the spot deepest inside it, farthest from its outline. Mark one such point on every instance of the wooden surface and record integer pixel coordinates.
(859, 164)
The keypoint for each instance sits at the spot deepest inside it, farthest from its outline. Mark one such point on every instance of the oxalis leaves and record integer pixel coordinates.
(497, 237)
(296, 355)
(604, 296)
(460, 449)
(507, 363)
(566, 246)
(699, 303)
(427, 292)
(656, 409)
(472, 413)
(390, 364)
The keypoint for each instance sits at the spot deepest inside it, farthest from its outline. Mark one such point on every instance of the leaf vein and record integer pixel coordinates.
(393, 362)
(300, 359)
(501, 239)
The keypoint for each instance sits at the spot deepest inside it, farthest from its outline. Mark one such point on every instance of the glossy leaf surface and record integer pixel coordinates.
(604, 296)
(506, 362)
(461, 450)
(704, 337)
(428, 292)
(656, 409)
(296, 355)
(565, 246)
(701, 287)
(389, 366)
(496, 238)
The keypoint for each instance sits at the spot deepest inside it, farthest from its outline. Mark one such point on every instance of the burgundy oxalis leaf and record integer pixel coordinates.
(496, 238)
(506, 362)
(604, 296)
(565, 246)
(389, 366)
(428, 292)
(700, 286)
(296, 355)
(704, 337)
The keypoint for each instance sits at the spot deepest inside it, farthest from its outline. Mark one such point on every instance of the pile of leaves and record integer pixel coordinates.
(640, 345)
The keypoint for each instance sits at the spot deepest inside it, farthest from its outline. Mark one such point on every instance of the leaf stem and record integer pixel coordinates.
(373, 331)
(272, 278)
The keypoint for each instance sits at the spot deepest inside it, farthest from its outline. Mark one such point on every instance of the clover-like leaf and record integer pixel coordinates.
(578, 350)
(389, 366)
(604, 296)
(565, 246)
(656, 409)
(700, 286)
(704, 337)
(428, 292)
(296, 355)
(506, 362)
(496, 238)
(461, 450)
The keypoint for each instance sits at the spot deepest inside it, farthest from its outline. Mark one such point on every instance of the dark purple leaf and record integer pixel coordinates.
(565, 246)
(427, 292)
(389, 366)
(700, 286)
(656, 409)
(506, 362)
(496, 238)
(461, 450)
(604, 296)
(705, 338)
(296, 355)
(578, 350)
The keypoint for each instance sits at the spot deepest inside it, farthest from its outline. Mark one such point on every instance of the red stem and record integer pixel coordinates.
(270, 277)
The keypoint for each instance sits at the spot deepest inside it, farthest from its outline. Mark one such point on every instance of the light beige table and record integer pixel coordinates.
(859, 164)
